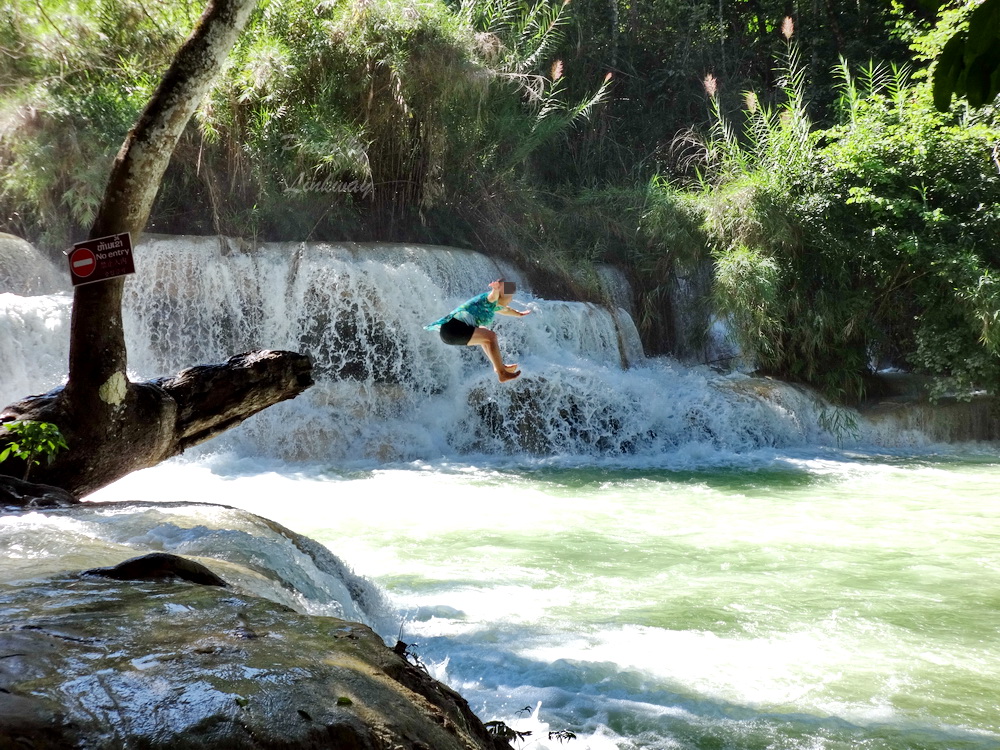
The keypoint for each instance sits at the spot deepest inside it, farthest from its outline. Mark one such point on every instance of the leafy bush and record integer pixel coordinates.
(32, 439)
(920, 212)
(339, 120)
(871, 243)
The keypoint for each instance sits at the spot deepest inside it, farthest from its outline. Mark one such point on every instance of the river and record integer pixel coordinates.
(611, 552)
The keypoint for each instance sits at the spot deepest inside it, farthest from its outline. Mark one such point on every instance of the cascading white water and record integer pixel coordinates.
(385, 387)
(388, 390)
(34, 343)
(248, 551)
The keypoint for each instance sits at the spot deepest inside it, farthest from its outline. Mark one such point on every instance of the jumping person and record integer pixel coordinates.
(466, 324)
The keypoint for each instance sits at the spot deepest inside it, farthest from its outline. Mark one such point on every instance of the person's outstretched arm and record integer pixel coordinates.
(512, 312)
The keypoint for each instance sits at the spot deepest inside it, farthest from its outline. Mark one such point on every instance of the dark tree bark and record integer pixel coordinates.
(114, 426)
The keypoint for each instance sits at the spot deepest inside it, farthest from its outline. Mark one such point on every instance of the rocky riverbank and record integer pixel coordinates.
(145, 657)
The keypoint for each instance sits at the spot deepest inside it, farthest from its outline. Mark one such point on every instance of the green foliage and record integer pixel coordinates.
(867, 244)
(75, 77)
(969, 65)
(32, 440)
(419, 120)
(749, 290)
(666, 250)
(921, 210)
(386, 112)
(342, 120)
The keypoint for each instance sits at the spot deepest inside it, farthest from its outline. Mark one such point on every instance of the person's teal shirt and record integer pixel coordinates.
(478, 311)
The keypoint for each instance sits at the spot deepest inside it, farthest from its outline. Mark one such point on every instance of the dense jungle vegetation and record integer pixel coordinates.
(794, 146)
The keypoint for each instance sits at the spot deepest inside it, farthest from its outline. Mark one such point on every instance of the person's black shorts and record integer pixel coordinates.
(457, 332)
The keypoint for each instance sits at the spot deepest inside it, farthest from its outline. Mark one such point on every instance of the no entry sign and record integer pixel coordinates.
(101, 259)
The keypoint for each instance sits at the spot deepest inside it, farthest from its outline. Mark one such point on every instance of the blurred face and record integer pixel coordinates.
(506, 288)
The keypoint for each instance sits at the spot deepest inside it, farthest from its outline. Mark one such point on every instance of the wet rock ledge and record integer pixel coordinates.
(90, 661)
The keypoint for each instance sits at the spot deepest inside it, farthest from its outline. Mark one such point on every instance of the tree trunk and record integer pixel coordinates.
(97, 357)
(114, 426)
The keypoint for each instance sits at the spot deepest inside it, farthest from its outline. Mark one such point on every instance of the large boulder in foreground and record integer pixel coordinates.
(88, 661)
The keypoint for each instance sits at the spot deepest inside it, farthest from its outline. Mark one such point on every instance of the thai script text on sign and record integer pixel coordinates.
(101, 258)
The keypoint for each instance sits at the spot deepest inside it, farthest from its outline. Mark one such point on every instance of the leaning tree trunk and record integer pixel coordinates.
(114, 426)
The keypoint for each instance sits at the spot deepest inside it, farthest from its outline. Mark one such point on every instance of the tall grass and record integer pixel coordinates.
(863, 245)
(342, 120)
(748, 179)
(74, 77)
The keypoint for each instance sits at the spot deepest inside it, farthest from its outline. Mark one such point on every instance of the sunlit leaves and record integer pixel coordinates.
(31, 441)
(870, 242)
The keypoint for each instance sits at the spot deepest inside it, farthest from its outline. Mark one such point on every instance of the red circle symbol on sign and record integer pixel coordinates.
(82, 262)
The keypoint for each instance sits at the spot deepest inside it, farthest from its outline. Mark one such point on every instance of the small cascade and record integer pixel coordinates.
(34, 321)
(949, 420)
(34, 343)
(386, 389)
(249, 552)
(25, 270)
(701, 335)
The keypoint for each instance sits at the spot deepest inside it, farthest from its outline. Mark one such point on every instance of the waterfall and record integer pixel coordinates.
(388, 390)
(23, 269)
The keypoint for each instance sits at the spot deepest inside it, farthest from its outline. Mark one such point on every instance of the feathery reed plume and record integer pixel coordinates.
(787, 27)
(711, 85)
(557, 70)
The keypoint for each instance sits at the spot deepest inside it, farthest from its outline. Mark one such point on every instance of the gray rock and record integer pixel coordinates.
(94, 662)
(158, 566)
(16, 493)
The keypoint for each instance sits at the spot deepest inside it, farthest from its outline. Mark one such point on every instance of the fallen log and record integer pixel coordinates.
(155, 420)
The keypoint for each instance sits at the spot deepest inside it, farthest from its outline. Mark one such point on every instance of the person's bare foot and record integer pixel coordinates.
(505, 376)
(510, 368)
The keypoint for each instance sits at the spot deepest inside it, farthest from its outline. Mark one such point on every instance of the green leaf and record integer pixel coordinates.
(984, 29)
(978, 81)
(34, 439)
(949, 66)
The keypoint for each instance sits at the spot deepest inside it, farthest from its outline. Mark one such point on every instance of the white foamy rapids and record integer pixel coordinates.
(388, 390)
(34, 343)
(247, 551)
(24, 269)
